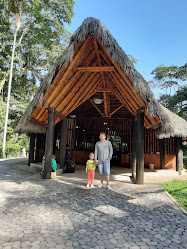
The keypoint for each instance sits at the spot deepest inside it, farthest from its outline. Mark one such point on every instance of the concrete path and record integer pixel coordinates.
(61, 213)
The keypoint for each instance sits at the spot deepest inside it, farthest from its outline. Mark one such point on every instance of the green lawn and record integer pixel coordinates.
(178, 190)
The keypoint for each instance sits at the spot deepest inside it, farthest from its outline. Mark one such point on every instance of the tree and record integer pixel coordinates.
(17, 10)
(39, 36)
(169, 77)
(133, 59)
(176, 103)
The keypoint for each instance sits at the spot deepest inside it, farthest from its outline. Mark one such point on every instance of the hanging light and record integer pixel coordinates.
(98, 101)
(72, 116)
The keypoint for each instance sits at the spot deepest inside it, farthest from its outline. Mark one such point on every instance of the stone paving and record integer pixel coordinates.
(36, 213)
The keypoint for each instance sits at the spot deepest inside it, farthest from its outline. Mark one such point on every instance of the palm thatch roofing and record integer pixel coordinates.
(168, 124)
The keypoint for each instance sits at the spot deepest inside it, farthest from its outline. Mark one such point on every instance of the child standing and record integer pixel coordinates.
(53, 164)
(90, 170)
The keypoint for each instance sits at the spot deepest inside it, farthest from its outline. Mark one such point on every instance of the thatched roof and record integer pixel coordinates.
(92, 26)
(178, 126)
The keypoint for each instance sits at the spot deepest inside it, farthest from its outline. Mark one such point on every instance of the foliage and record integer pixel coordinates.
(169, 77)
(40, 39)
(178, 190)
(133, 59)
(176, 103)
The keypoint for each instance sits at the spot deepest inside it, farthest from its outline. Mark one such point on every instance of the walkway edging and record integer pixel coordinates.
(176, 203)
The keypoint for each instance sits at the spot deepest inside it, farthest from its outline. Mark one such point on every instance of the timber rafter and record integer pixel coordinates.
(91, 71)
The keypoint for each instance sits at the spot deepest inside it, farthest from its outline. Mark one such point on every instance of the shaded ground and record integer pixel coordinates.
(61, 213)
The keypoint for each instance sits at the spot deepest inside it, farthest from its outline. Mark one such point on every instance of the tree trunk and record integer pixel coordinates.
(9, 91)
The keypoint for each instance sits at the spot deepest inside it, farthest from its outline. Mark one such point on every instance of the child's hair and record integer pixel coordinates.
(102, 133)
(53, 156)
(91, 153)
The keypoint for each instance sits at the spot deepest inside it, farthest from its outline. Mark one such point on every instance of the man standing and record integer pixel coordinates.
(103, 155)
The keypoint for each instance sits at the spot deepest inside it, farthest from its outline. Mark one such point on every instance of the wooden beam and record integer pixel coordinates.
(31, 148)
(105, 104)
(179, 155)
(49, 144)
(116, 110)
(162, 153)
(72, 82)
(140, 147)
(125, 92)
(66, 87)
(120, 98)
(86, 77)
(122, 74)
(81, 94)
(128, 104)
(61, 116)
(100, 90)
(38, 122)
(134, 108)
(73, 64)
(127, 82)
(73, 96)
(94, 105)
(133, 166)
(96, 69)
(99, 60)
(85, 97)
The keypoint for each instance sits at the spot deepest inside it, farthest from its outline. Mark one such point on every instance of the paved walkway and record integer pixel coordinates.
(61, 213)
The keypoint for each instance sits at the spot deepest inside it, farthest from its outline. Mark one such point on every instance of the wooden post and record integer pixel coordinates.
(63, 138)
(49, 143)
(162, 153)
(31, 148)
(54, 141)
(140, 147)
(37, 147)
(179, 155)
(133, 167)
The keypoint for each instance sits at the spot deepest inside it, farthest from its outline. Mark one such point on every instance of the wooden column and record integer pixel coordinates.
(37, 147)
(179, 155)
(133, 166)
(31, 148)
(49, 143)
(54, 141)
(140, 147)
(162, 153)
(63, 138)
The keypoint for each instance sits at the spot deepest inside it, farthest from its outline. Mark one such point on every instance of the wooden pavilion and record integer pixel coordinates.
(93, 87)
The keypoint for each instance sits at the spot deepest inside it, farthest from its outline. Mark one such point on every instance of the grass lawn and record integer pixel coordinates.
(178, 190)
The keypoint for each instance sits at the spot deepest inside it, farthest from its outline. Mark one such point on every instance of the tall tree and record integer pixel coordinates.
(39, 37)
(168, 77)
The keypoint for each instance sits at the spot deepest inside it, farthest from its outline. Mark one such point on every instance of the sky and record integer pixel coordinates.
(153, 31)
